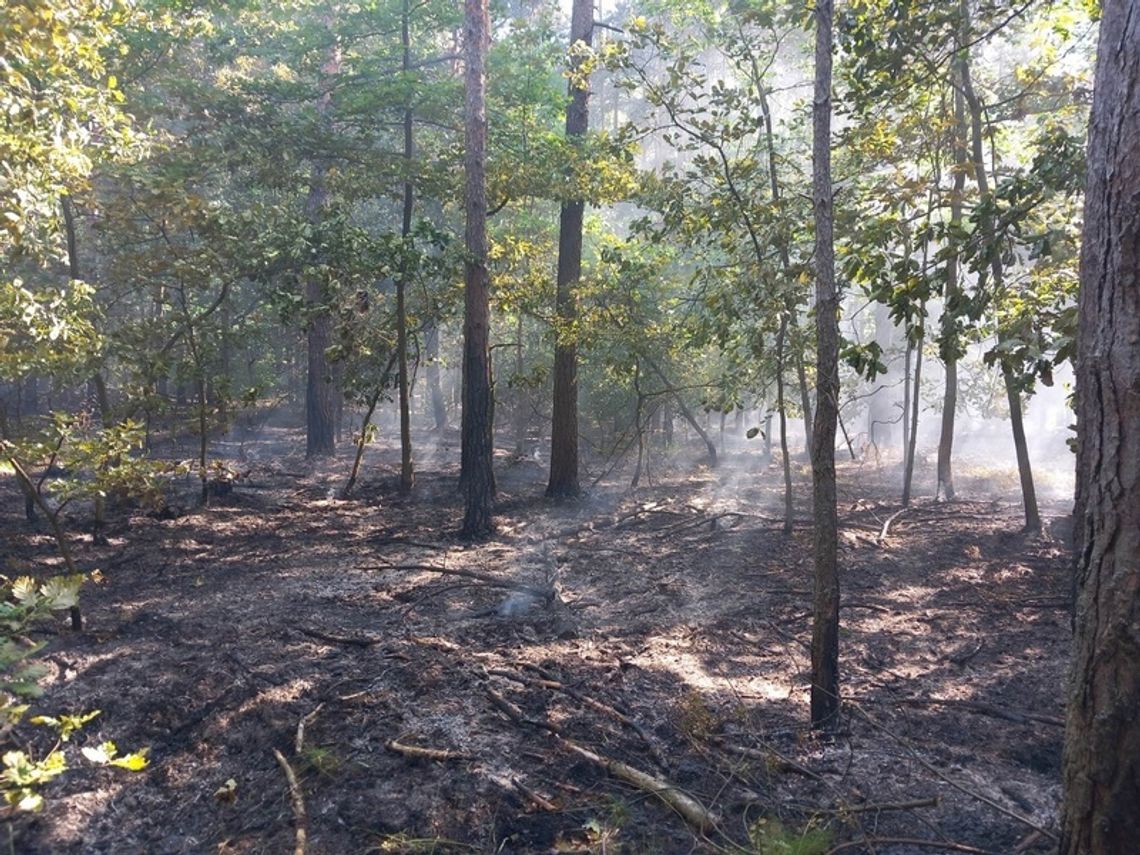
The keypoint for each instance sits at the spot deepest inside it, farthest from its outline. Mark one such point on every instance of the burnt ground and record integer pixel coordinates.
(676, 643)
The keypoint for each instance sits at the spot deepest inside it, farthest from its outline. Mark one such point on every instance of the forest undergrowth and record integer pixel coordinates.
(348, 672)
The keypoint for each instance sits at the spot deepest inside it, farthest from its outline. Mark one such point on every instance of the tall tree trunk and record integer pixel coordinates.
(781, 408)
(476, 467)
(786, 315)
(431, 368)
(563, 481)
(950, 344)
(319, 404)
(1021, 446)
(520, 391)
(805, 391)
(908, 466)
(1101, 769)
(407, 467)
(907, 360)
(825, 628)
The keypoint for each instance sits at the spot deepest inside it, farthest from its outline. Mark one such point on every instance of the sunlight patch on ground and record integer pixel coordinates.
(283, 694)
(673, 656)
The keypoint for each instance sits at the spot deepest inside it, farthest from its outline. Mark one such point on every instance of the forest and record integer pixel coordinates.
(586, 427)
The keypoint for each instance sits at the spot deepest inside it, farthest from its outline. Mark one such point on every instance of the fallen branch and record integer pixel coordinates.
(689, 808)
(947, 779)
(875, 808)
(551, 681)
(299, 742)
(1016, 716)
(533, 797)
(300, 817)
(544, 594)
(771, 757)
(513, 712)
(415, 752)
(332, 638)
(887, 525)
(910, 841)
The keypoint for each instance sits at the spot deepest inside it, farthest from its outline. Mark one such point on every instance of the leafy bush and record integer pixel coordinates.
(24, 603)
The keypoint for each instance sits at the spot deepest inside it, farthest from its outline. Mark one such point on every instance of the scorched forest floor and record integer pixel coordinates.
(284, 617)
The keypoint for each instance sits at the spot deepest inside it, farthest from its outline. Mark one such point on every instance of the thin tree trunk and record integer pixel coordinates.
(520, 391)
(908, 471)
(1021, 446)
(361, 441)
(805, 394)
(906, 398)
(431, 368)
(685, 411)
(407, 467)
(563, 481)
(477, 469)
(825, 628)
(1101, 768)
(950, 344)
(781, 408)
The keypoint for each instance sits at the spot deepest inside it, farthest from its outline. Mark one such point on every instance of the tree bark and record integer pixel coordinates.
(825, 629)
(781, 408)
(805, 391)
(407, 467)
(319, 405)
(950, 345)
(521, 420)
(1101, 770)
(916, 403)
(476, 467)
(563, 481)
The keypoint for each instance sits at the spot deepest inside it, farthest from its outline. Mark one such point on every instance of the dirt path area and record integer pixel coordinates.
(665, 630)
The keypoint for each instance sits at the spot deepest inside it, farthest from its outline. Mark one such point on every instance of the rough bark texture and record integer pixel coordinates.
(564, 423)
(319, 399)
(477, 472)
(825, 628)
(1102, 736)
(407, 467)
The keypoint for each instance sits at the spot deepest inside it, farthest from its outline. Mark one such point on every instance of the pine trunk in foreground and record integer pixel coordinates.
(1101, 770)
(563, 481)
(477, 470)
(319, 399)
(825, 628)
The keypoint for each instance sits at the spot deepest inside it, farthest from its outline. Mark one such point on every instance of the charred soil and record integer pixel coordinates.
(665, 629)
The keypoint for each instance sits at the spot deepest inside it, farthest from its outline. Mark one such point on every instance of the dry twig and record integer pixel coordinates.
(305, 721)
(300, 817)
(693, 812)
(418, 753)
(947, 779)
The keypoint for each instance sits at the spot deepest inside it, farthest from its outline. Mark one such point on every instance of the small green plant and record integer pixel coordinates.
(695, 718)
(324, 761)
(769, 836)
(23, 603)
